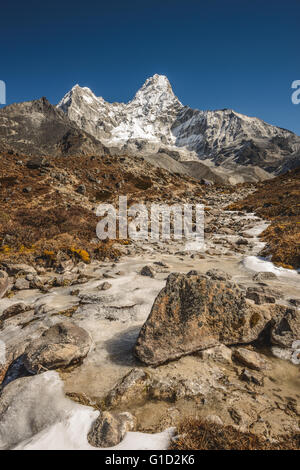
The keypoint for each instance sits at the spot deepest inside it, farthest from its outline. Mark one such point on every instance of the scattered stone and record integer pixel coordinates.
(162, 264)
(62, 345)
(218, 275)
(242, 241)
(21, 284)
(250, 359)
(295, 302)
(13, 310)
(109, 429)
(81, 189)
(252, 377)
(108, 276)
(285, 328)
(219, 353)
(105, 286)
(19, 269)
(264, 276)
(130, 386)
(147, 271)
(27, 189)
(36, 163)
(259, 298)
(193, 313)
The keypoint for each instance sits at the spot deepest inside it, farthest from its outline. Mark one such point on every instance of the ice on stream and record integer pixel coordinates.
(40, 416)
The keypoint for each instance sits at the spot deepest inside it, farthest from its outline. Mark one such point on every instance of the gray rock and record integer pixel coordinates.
(13, 310)
(109, 429)
(264, 276)
(218, 275)
(129, 388)
(219, 353)
(252, 377)
(19, 269)
(62, 345)
(37, 163)
(27, 189)
(250, 359)
(193, 313)
(259, 298)
(285, 329)
(81, 189)
(147, 271)
(104, 286)
(21, 284)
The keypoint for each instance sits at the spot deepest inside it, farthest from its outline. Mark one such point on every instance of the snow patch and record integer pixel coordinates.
(38, 416)
(254, 263)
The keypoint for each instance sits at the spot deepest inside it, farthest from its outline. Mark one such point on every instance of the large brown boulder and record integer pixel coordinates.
(194, 312)
(62, 345)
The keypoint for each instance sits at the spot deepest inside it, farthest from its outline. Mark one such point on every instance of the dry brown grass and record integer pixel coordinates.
(51, 221)
(195, 434)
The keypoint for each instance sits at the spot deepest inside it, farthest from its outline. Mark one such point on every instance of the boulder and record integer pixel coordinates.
(264, 276)
(21, 284)
(285, 329)
(219, 353)
(20, 269)
(3, 283)
(194, 312)
(109, 429)
(37, 163)
(147, 271)
(218, 275)
(252, 377)
(13, 310)
(129, 388)
(81, 189)
(250, 359)
(105, 286)
(259, 297)
(60, 346)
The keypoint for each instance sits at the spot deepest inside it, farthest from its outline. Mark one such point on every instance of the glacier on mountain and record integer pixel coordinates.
(155, 118)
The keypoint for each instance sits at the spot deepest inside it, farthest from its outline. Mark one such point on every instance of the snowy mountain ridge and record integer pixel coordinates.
(156, 118)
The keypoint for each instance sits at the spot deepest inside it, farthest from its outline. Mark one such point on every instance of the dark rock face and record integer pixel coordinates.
(62, 345)
(38, 128)
(194, 312)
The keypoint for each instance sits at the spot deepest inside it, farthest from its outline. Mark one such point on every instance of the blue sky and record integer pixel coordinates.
(217, 54)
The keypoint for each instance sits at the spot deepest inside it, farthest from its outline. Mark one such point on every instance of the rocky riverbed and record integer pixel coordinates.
(222, 342)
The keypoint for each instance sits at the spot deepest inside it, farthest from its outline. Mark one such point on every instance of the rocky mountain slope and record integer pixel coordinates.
(37, 127)
(155, 119)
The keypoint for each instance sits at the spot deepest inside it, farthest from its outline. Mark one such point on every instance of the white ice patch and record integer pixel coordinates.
(254, 263)
(36, 415)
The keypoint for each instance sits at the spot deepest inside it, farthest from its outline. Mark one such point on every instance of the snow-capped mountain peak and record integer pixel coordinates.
(156, 118)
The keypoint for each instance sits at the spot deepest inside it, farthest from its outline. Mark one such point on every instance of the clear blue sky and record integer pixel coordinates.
(216, 53)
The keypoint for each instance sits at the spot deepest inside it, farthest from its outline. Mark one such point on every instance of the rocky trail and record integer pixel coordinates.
(70, 340)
